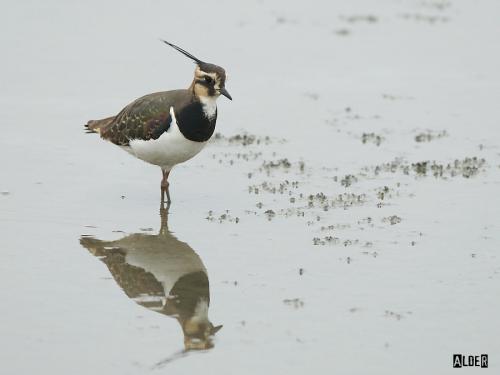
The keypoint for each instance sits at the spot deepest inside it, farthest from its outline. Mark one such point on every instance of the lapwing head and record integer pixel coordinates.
(199, 335)
(198, 330)
(209, 79)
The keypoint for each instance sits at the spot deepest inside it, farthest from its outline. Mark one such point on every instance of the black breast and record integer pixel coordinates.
(193, 123)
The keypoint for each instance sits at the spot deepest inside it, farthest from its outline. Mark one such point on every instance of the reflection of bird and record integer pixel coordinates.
(162, 274)
(170, 127)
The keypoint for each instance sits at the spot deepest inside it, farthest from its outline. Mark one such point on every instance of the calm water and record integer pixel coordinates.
(356, 233)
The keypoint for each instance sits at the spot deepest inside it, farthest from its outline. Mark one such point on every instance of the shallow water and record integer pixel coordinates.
(357, 232)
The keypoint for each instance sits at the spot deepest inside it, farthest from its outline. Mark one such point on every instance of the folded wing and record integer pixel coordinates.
(146, 118)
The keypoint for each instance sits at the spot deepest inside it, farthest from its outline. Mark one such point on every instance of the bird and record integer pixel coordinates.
(162, 274)
(169, 127)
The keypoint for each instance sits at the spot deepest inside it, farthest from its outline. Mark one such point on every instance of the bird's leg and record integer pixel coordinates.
(164, 186)
(164, 217)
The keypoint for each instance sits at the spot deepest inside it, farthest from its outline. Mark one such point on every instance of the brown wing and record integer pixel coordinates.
(135, 281)
(146, 118)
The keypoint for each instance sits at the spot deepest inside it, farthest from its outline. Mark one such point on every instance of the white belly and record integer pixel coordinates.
(166, 265)
(170, 149)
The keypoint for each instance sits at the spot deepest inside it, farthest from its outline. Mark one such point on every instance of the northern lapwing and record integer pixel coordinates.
(170, 127)
(163, 274)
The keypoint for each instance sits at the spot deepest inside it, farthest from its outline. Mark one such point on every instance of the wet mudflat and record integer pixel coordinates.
(344, 218)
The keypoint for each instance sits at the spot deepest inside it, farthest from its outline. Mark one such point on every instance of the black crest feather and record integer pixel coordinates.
(184, 52)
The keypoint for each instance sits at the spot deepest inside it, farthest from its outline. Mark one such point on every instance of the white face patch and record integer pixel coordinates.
(209, 106)
(200, 74)
(201, 311)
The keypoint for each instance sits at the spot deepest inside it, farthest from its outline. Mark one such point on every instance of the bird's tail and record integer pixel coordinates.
(95, 126)
(93, 245)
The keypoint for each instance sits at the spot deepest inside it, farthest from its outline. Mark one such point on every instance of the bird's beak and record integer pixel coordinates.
(224, 92)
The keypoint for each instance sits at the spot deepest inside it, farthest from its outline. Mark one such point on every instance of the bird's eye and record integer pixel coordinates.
(208, 79)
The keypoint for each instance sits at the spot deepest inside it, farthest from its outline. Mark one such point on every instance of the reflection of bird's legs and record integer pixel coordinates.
(164, 186)
(164, 217)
